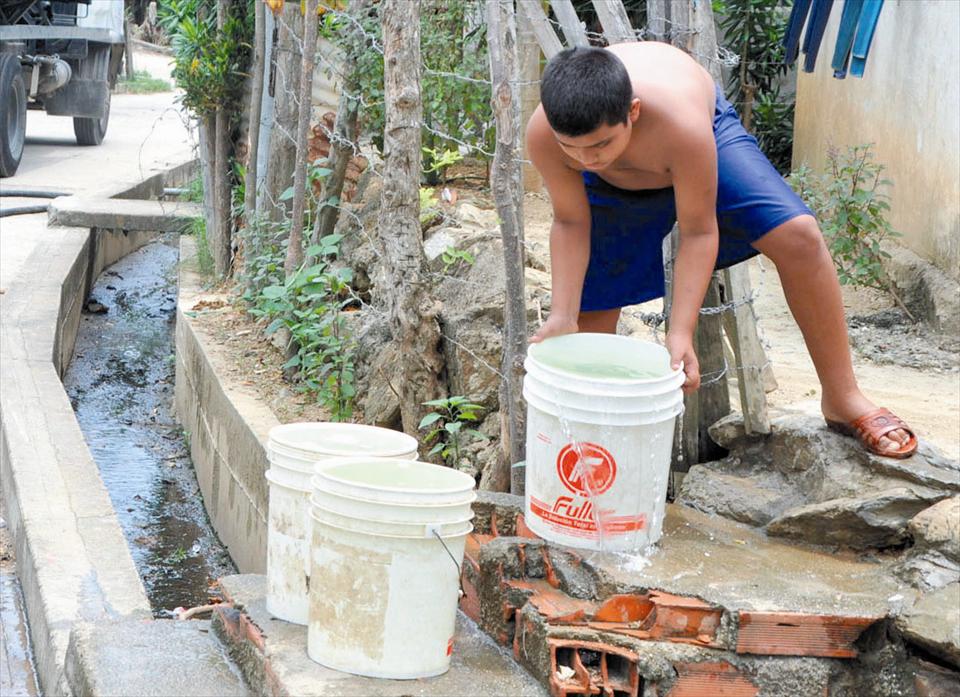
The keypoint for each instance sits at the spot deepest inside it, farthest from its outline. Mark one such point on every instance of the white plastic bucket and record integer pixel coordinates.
(601, 410)
(293, 450)
(383, 592)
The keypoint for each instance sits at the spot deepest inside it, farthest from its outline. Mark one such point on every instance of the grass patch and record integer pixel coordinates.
(198, 228)
(142, 82)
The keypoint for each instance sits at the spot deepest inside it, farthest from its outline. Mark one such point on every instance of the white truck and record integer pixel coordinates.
(62, 58)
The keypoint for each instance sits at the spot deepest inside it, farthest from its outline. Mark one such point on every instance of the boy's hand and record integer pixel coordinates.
(556, 325)
(680, 347)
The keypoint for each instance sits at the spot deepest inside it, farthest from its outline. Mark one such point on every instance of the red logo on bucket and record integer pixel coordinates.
(450, 647)
(586, 468)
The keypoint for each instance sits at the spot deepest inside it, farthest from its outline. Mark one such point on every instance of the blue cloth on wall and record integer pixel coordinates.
(819, 16)
(865, 30)
(791, 38)
(848, 28)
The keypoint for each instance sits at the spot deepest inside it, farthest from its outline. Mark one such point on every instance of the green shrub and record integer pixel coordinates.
(851, 203)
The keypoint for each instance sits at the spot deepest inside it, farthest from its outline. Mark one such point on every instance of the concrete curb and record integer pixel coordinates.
(73, 560)
(228, 428)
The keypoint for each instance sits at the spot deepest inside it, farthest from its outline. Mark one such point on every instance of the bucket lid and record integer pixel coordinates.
(602, 358)
(393, 475)
(305, 439)
(465, 530)
(469, 496)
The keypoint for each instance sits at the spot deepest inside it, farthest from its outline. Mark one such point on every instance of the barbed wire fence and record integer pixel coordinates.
(338, 70)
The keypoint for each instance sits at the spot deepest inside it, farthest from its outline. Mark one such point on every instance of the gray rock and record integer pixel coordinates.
(875, 520)
(738, 498)
(927, 570)
(933, 623)
(938, 527)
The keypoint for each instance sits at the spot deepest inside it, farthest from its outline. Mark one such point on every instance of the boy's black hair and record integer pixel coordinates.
(584, 88)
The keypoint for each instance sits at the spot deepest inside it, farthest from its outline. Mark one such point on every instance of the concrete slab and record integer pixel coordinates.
(150, 659)
(273, 657)
(739, 568)
(123, 214)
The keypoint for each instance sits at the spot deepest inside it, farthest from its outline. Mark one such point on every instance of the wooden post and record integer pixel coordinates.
(613, 18)
(529, 54)
(295, 243)
(128, 50)
(413, 313)
(657, 20)
(538, 22)
(573, 30)
(505, 182)
(286, 79)
(219, 237)
(343, 143)
(256, 106)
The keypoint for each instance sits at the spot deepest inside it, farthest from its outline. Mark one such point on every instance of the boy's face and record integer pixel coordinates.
(600, 148)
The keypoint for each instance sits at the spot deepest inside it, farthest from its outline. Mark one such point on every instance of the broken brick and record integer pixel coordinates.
(523, 530)
(598, 669)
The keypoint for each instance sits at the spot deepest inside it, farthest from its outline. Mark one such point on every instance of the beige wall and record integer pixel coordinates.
(908, 104)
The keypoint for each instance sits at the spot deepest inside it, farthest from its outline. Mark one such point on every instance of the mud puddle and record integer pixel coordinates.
(120, 383)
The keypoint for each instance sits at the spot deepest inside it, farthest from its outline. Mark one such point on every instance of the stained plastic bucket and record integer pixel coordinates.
(293, 450)
(383, 591)
(601, 411)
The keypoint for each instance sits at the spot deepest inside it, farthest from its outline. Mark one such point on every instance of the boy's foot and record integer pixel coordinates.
(881, 432)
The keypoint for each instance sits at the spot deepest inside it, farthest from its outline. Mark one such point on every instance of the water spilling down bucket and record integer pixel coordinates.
(293, 450)
(388, 541)
(601, 414)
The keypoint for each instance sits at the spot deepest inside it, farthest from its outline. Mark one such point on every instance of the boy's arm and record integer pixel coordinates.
(694, 170)
(569, 233)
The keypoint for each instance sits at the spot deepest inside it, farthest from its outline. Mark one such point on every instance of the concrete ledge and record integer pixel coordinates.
(73, 560)
(123, 214)
(273, 657)
(170, 657)
(925, 289)
(228, 428)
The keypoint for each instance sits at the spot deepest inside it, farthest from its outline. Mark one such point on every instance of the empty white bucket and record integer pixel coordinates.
(293, 450)
(384, 586)
(601, 410)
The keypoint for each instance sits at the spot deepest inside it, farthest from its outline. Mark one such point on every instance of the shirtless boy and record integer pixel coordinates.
(629, 139)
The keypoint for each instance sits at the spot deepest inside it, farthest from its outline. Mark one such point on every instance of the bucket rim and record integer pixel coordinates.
(533, 348)
(275, 438)
(315, 506)
(321, 471)
(399, 504)
(272, 478)
(383, 534)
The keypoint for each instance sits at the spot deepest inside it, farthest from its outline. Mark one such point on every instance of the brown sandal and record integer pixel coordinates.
(871, 427)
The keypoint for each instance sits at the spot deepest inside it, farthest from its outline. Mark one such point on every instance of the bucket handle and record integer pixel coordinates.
(436, 533)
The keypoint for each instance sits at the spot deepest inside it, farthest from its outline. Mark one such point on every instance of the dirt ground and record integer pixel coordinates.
(911, 370)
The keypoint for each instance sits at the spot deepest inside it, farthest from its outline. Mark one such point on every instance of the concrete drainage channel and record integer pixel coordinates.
(85, 602)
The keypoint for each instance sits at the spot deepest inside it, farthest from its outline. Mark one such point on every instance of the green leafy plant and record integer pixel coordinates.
(309, 304)
(851, 203)
(429, 207)
(754, 30)
(453, 257)
(437, 161)
(454, 89)
(446, 423)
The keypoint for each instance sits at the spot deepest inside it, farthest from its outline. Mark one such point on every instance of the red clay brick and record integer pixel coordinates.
(624, 608)
(799, 634)
(555, 606)
(470, 602)
(599, 669)
(711, 680)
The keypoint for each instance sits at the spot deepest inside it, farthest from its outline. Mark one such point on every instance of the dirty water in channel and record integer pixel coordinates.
(121, 385)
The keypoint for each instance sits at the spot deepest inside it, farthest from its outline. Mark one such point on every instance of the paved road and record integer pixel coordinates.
(146, 134)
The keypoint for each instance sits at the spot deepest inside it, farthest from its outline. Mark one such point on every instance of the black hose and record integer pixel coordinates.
(27, 193)
(24, 210)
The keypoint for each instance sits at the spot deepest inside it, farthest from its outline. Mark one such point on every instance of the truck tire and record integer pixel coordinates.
(95, 67)
(13, 114)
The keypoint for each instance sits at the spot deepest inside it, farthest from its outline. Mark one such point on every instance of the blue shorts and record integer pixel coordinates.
(627, 227)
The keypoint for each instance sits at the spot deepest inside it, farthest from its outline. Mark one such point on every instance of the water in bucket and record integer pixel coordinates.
(601, 414)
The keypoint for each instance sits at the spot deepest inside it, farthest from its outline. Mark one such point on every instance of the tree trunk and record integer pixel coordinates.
(286, 82)
(343, 145)
(256, 105)
(507, 190)
(412, 311)
(295, 243)
(220, 238)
